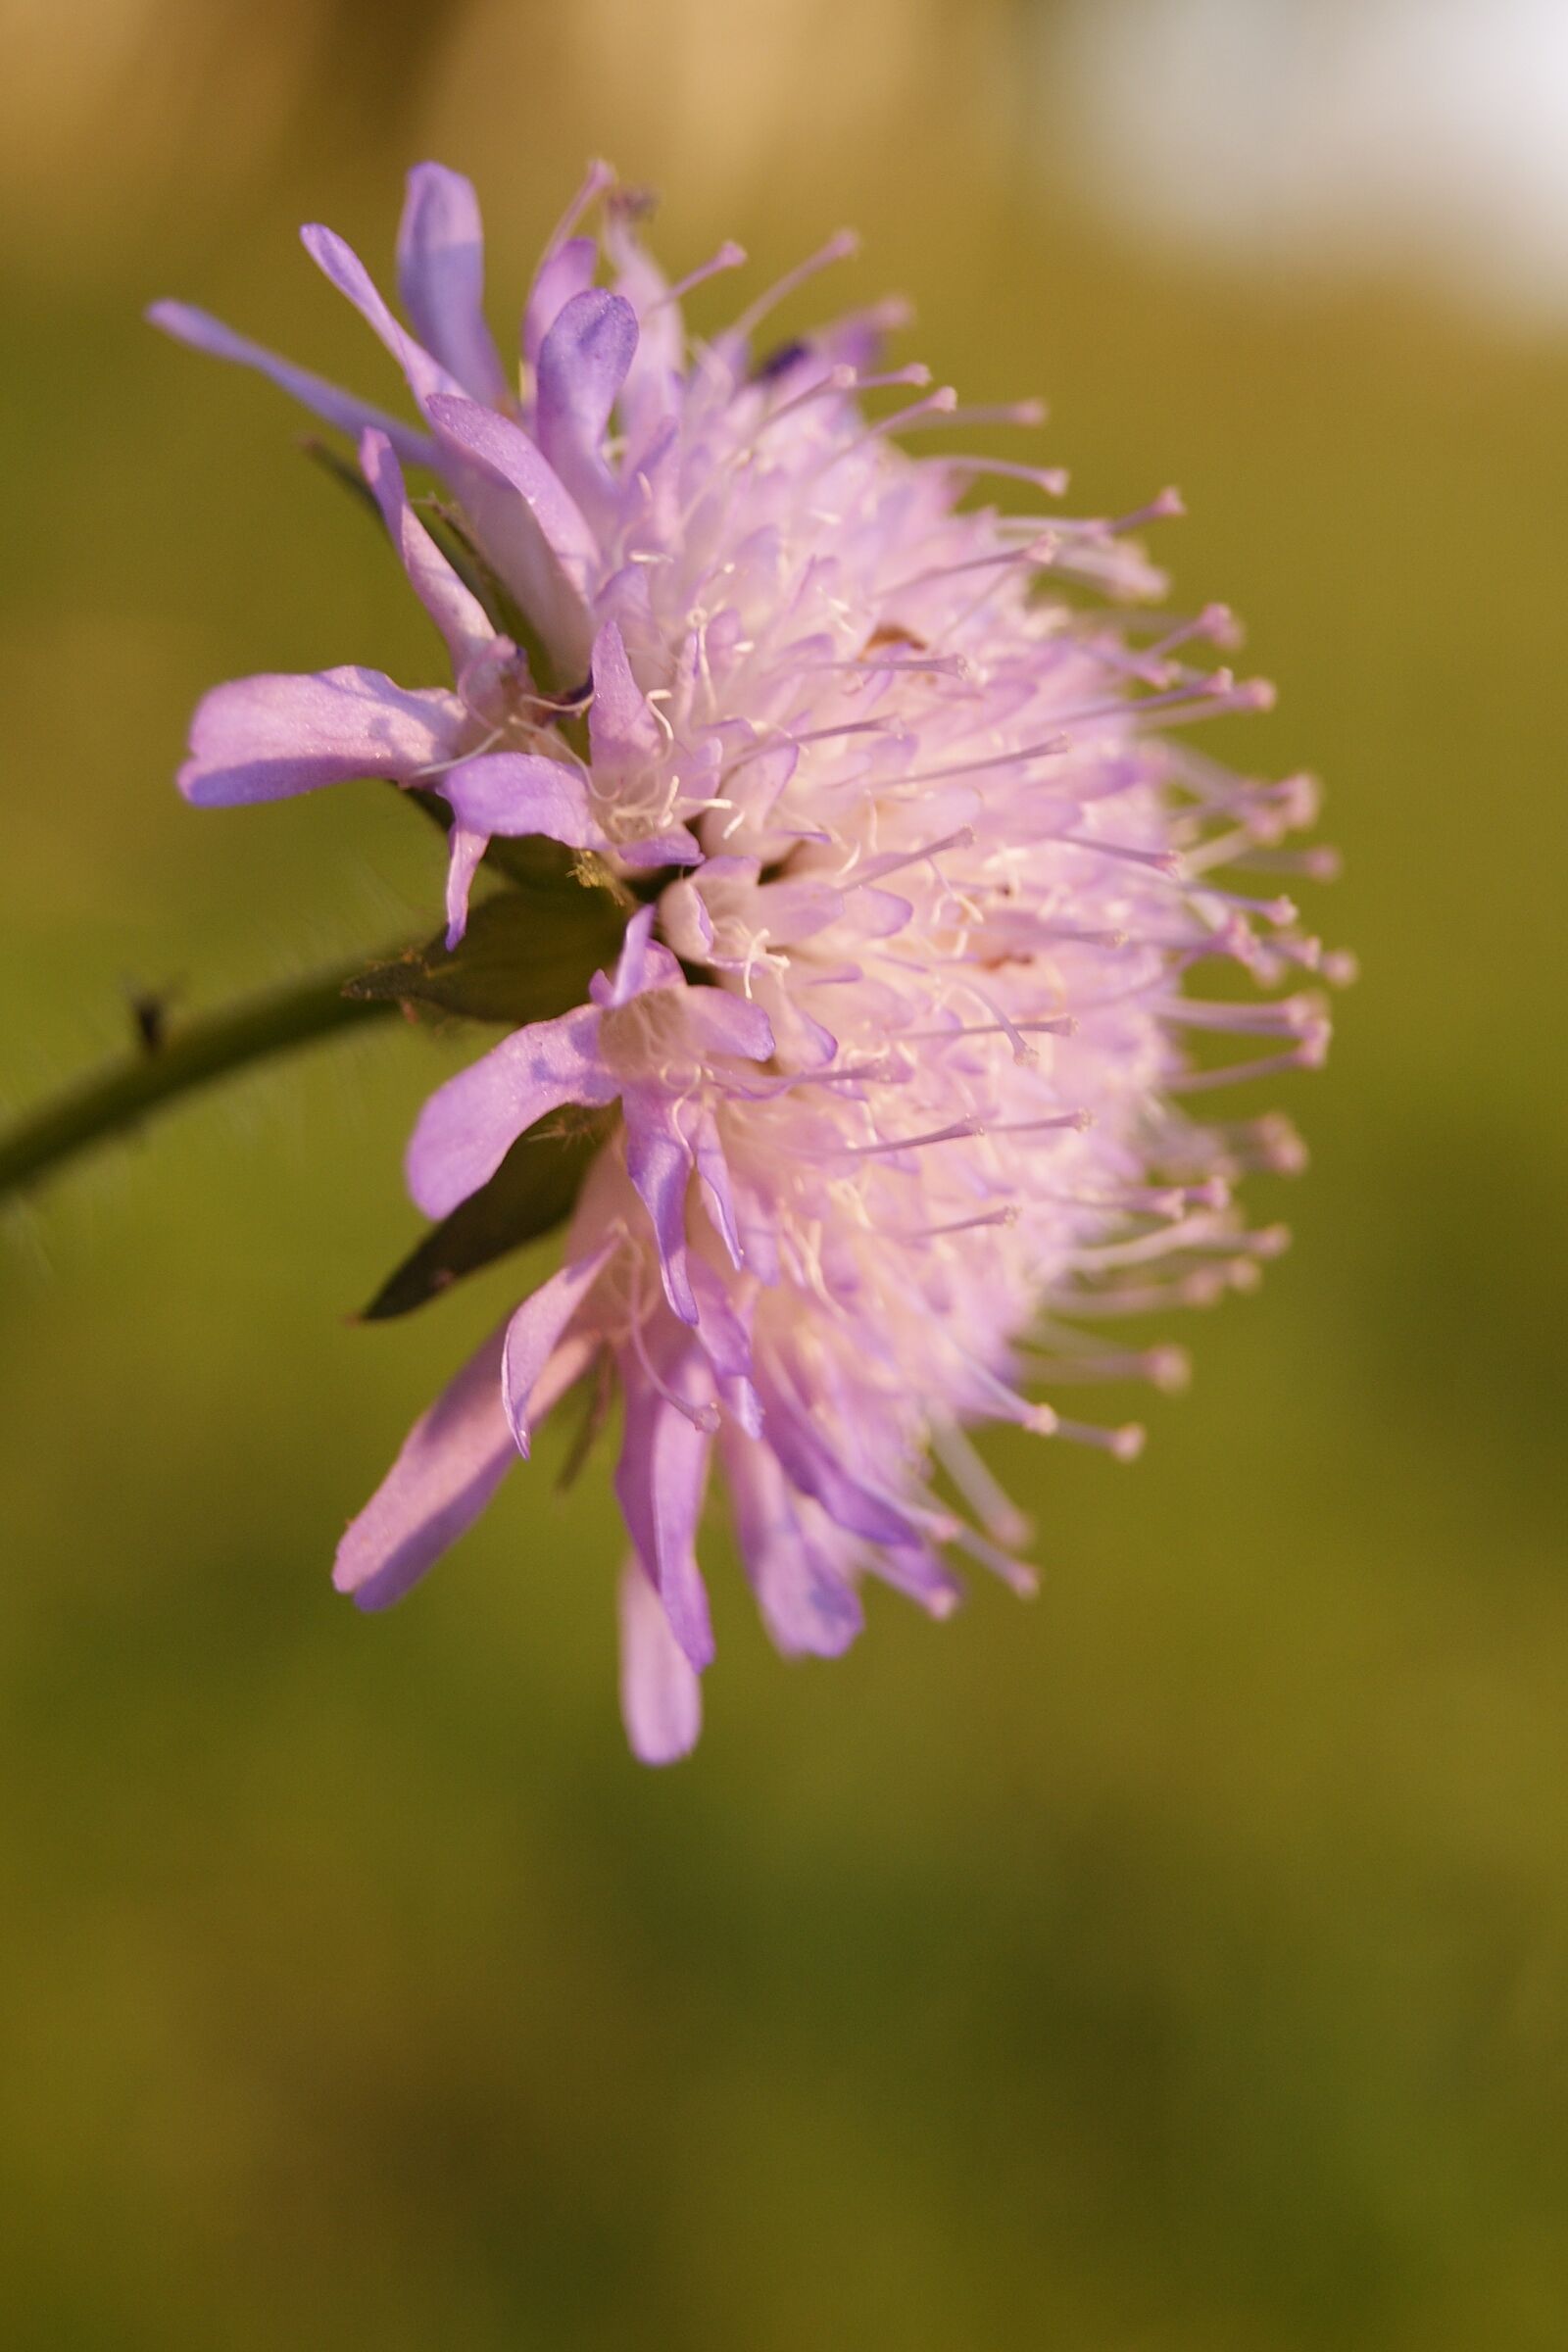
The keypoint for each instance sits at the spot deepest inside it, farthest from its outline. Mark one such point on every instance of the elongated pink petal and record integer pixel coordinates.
(659, 1480)
(659, 1165)
(536, 1332)
(675, 847)
(451, 1463)
(465, 851)
(713, 1170)
(809, 1606)
(342, 266)
(722, 1023)
(268, 737)
(582, 364)
(518, 793)
(202, 332)
(529, 527)
(503, 451)
(621, 727)
(638, 964)
(441, 278)
(566, 271)
(468, 1125)
(661, 1695)
(457, 613)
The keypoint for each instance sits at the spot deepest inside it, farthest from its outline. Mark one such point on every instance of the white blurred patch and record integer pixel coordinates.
(1425, 135)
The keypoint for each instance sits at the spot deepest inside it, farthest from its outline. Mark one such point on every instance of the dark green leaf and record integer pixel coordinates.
(529, 955)
(534, 1188)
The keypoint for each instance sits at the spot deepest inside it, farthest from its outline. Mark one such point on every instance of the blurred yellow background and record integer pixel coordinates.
(1176, 1966)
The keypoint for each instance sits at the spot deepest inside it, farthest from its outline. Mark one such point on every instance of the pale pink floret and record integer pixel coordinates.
(899, 1058)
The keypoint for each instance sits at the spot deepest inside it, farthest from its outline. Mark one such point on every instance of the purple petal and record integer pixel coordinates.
(268, 737)
(343, 268)
(465, 851)
(726, 1341)
(659, 1482)
(203, 334)
(441, 278)
(722, 1023)
(564, 273)
(809, 1608)
(660, 1166)
(468, 1125)
(635, 964)
(582, 364)
(713, 1170)
(622, 730)
(813, 1464)
(660, 1696)
(678, 848)
(920, 1574)
(516, 793)
(534, 1333)
(520, 793)
(452, 1462)
(506, 455)
(531, 529)
(686, 921)
(458, 614)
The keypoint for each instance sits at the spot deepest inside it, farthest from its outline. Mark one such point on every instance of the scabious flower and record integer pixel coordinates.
(916, 870)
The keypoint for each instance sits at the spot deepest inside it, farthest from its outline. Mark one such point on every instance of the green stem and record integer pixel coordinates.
(123, 1094)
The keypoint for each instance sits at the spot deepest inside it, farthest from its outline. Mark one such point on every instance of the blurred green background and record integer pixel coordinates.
(1180, 1965)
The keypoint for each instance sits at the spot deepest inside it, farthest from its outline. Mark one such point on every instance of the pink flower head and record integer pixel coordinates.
(898, 1035)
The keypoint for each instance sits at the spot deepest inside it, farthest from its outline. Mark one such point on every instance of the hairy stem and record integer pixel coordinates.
(121, 1096)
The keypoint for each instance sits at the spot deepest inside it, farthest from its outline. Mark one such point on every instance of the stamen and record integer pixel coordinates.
(1216, 624)
(771, 742)
(729, 255)
(940, 403)
(600, 175)
(1310, 1055)
(1014, 1573)
(1322, 863)
(1168, 1369)
(1270, 1241)
(1007, 1402)
(839, 248)
(1210, 694)
(1293, 1016)
(1160, 862)
(870, 665)
(1203, 1288)
(995, 1509)
(932, 1233)
(877, 870)
(1038, 551)
(960, 1131)
(1007, 412)
(1050, 748)
(1052, 479)
(1125, 1443)
(1060, 1025)
(1166, 506)
(1078, 1122)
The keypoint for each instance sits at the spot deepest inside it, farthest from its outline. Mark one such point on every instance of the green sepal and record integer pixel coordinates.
(337, 467)
(528, 955)
(535, 1187)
